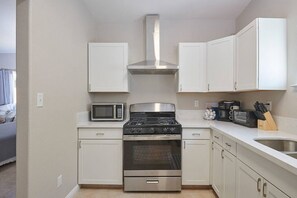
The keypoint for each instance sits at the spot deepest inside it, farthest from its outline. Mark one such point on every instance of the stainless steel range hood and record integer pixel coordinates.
(152, 64)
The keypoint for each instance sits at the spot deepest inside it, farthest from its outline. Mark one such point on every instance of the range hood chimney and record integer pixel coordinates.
(152, 64)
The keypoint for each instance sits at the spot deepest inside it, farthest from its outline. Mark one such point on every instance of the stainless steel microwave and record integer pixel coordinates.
(107, 111)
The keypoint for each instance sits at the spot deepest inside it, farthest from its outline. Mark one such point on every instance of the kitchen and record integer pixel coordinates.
(143, 88)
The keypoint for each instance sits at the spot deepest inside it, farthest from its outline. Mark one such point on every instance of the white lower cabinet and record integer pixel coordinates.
(217, 169)
(229, 175)
(100, 160)
(248, 182)
(223, 166)
(195, 157)
(270, 191)
(251, 184)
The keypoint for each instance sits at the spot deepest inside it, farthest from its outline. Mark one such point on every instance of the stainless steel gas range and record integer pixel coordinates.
(152, 148)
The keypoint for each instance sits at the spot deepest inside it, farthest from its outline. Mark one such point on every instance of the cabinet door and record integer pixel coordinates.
(217, 180)
(229, 175)
(247, 62)
(248, 182)
(195, 162)
(270, 191)
(100, 162)
(192, 67)
(108, 67)
(220, 60)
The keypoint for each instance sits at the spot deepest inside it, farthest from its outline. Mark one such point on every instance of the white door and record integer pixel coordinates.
(270, 191)
(195, 162)
(229, 175)
(108, 67)
(248, 182)
(220, 61)
(192, 67)
(247, 61)
(100, 162)
(217, 180)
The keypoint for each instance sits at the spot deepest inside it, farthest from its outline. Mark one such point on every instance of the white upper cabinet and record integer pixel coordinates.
(262, 55)
(192, 71)
(221, 61)
(108, 67)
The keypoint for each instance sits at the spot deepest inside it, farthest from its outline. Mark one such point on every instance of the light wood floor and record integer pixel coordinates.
(118, 193)
(8, 181)
(8, 186)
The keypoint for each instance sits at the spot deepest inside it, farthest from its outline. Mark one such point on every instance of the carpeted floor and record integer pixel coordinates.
(8, 180)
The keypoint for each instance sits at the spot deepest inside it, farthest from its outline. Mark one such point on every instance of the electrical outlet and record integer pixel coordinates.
(196, 103)
(268, 105)
(59, 181)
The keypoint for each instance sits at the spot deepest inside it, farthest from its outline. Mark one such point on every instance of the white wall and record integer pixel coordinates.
(162, 88)
(52, 59)
(8, 60)
(284, 102)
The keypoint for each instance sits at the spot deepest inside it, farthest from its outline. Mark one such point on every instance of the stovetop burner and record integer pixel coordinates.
(145, 121)
(151, 121)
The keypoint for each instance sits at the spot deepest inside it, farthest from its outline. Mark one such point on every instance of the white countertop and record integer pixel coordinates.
(245, 137)
(242, 135)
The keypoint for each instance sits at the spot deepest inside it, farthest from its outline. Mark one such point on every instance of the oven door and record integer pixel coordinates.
(152, 155)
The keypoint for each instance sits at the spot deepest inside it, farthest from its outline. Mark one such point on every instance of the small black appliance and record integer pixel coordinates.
(226, 108)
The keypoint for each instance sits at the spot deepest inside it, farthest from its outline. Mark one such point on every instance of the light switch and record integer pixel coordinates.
(39, 99)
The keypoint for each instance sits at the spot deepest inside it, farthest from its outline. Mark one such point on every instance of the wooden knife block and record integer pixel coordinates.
(268, 124)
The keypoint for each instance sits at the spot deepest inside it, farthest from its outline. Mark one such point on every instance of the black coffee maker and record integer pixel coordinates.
(226, 110)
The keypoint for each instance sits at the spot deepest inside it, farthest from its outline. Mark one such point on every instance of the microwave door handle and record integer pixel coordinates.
(115, 111)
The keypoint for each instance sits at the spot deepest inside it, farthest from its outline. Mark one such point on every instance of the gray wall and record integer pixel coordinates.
(284, 102)
(8, 60)
(52, 58)
(162, 88)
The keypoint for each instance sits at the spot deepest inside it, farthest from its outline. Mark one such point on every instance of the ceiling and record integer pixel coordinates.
(115, 11)
(7, 26)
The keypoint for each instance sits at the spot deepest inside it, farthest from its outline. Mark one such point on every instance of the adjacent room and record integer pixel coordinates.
(7, 99)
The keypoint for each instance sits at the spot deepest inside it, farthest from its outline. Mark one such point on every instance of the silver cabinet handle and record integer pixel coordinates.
(259, 185)
(212, 145)
(152, 181)
(184, 144)
(216, 137)
(99, 134)
(222, 154)
(79, 144)
(208, 87)
(264, 190)
(228, 144)
(195, 134)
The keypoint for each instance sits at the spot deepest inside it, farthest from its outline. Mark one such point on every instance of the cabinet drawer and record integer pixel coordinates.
(217, 137)
(100, 133)
(229, 145)
(196, 134)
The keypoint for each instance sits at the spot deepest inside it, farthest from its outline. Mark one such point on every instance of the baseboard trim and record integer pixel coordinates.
(72, 192)
(202, 187)
(101, 186)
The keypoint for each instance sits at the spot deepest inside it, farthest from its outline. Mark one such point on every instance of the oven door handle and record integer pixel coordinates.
(150, 137)
(152, 181)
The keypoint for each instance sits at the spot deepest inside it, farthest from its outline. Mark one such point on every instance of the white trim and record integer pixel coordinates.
(294, 85)
(13, 159)
(73, 192)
